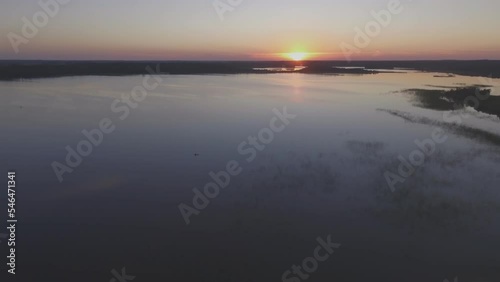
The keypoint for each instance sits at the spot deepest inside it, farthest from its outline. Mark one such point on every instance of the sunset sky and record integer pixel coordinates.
(253, 30)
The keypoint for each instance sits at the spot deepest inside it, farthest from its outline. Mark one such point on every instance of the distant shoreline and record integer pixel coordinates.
(30, 69)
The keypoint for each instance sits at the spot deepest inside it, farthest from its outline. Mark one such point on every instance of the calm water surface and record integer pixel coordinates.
(324, 174)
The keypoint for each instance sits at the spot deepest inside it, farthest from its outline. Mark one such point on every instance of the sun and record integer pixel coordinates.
(297, 56)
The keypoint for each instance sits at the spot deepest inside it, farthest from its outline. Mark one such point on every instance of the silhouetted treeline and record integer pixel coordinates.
(12, 70)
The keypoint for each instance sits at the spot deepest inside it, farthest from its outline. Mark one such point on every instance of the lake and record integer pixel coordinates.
(333, 167)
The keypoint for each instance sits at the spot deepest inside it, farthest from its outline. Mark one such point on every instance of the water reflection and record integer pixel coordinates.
(323, 175)
(283, 69)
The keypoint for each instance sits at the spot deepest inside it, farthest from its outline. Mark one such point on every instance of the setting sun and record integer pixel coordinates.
(297, 56)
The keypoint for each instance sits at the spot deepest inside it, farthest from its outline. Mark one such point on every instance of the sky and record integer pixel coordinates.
(250, 30)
